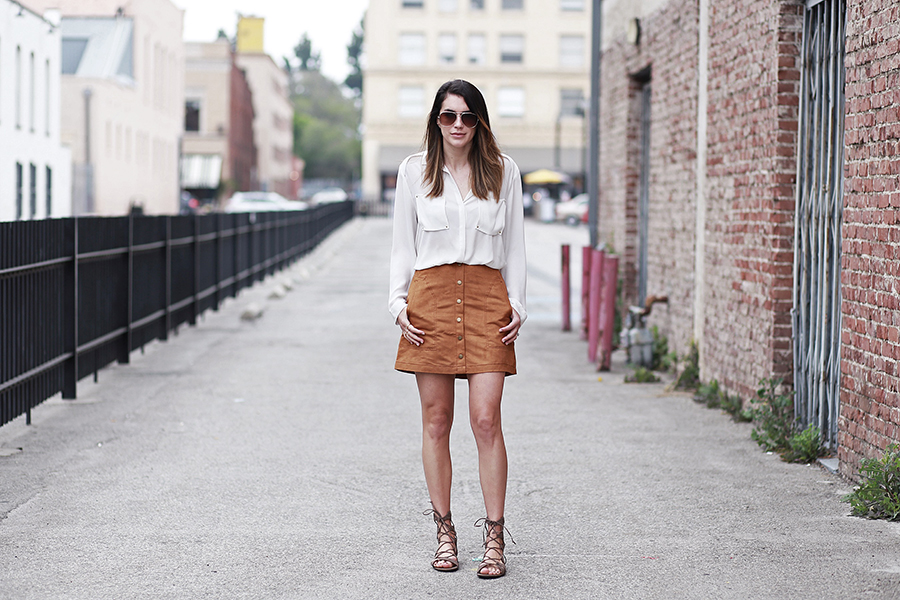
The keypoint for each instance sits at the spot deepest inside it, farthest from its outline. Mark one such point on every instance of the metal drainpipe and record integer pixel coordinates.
(594, 122)
(88, 169)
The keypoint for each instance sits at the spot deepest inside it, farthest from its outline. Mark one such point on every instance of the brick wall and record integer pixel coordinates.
(754, 75)
(870, 279)
(668, 48)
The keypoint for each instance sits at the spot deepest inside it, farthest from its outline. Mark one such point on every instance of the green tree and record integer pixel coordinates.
(354, 80)
(326, 128)
(309, 60)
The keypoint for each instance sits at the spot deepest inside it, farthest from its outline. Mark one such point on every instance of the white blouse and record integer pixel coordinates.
(451, 229)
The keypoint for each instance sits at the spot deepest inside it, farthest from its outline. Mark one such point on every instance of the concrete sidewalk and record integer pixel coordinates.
(279, 458)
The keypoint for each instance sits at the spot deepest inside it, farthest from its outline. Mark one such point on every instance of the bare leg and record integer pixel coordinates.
(436, 396)
(485, 394)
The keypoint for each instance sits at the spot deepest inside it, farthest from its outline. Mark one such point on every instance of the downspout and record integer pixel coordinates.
(700, 209)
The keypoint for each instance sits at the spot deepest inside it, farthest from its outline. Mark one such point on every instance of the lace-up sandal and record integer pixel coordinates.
(446, 537)
(493, 544)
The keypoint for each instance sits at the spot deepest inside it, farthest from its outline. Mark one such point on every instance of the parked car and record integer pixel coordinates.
(261, 202)
(573, 211)
(329, 195)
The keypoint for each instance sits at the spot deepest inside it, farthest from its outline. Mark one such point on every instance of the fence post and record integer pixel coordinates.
(566, 291)
(586, 253)
(608, 314)
(125, 346)
(70, 311)
(596, 280)
(168, 279)
(195, 248)
(218, 246)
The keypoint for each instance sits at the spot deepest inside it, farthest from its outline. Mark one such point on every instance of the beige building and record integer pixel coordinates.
(273, 123)
(122, 96)
(218, 153)
(530, 59)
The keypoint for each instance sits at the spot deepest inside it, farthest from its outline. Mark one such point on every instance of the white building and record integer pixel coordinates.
(122, 102)
(35, 170)
(530, 59)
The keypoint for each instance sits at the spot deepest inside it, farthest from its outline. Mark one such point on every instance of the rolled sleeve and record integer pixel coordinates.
(403, 246)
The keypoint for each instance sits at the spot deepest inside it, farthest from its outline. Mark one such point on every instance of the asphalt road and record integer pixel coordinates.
(279, 458)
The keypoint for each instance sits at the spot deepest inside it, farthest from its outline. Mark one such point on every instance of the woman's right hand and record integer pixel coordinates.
(410, 333)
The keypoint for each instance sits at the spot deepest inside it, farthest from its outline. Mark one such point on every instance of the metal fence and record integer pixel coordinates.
(77, 294)
(816, 313)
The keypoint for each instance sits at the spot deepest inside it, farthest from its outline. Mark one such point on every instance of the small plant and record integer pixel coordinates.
(773, 416)
(878, 495)
(734, 406)
(709, 394)
(805, 447)
(689, 377)
(660, 351)
(641, 375)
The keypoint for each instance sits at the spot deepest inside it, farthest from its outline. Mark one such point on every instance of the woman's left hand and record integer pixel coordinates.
(511, 330)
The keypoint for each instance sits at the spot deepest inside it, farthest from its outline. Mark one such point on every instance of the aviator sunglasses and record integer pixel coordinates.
(448, 118)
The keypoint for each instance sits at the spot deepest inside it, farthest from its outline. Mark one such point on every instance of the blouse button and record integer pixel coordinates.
(459, 337)
(460, 355)
(459, 300)
(459, 282)
(459, 319)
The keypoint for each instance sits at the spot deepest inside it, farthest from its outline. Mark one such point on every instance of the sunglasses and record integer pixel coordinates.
(448, 118)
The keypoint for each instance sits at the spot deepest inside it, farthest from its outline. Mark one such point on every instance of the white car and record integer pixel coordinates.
(261, 202)
(573, 211)
(329, 195)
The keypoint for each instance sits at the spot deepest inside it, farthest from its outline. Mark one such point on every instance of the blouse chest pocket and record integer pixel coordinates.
(432, 213)
(491, 216)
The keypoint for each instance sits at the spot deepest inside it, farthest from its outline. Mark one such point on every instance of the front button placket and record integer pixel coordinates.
(460, 314)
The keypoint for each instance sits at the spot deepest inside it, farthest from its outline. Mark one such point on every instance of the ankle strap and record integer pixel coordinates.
(490, 529)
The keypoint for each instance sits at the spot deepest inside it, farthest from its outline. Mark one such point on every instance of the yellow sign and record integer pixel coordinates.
(250, 34)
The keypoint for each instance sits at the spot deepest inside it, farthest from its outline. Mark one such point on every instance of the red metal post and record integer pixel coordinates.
(586, 254)
(596, 278)
(566, 291)
(608, 318)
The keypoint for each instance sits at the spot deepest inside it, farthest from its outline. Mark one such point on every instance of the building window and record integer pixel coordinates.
(512, 4)
(571, 51)
(18, 87)
(511, 48)
(32, 189)
(19, 189)
(477, 50)
(412, 3)
(571, 103)
(47, 97)
(447, 6)
(72, 51)
(31, 93)
(447, 48)
(476, 4)
(192, 115)
(48, 195)
(573, 5)
(412, 49)
(411, 102)
(511, 102)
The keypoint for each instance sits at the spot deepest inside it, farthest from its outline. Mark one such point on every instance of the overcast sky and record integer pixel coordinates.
(329, 24)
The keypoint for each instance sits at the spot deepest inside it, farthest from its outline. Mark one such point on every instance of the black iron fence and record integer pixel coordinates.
(77, 294)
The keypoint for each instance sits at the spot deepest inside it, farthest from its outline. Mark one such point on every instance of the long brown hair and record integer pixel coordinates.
(486, 166)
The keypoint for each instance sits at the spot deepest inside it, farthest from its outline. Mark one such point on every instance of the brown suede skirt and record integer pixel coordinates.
(461, 309)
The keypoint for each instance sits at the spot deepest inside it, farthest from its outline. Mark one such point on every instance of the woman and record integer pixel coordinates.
(458, 295)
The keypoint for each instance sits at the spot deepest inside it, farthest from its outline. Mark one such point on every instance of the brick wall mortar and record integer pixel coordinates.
(870, 278)
(669, 47)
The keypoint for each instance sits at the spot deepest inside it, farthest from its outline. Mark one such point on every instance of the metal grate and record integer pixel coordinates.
(816, 312)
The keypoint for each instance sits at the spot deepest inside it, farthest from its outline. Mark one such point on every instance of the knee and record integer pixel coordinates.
(437, 424)
(486, 425)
